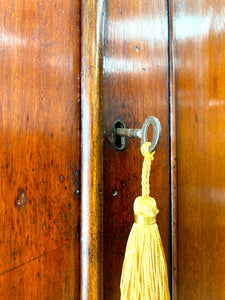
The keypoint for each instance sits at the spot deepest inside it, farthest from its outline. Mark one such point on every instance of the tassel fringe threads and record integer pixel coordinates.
(144, 273)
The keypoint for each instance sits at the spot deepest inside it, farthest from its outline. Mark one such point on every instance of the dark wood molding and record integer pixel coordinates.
(173, 166)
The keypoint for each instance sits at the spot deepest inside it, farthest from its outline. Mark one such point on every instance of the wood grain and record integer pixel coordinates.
(92, 150)
(135, 86)
(200, 73)
(39, 149)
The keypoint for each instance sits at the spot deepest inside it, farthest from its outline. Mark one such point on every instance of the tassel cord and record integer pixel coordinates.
(148, 158)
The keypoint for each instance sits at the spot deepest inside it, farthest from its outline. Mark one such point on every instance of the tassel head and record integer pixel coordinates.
(145, 206)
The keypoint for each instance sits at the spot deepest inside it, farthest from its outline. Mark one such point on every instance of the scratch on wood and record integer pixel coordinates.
(32, 260)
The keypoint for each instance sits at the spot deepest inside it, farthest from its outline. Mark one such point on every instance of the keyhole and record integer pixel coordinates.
(119, 142)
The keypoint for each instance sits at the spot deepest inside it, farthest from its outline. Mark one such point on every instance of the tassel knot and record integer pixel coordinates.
(145, 151)
(145, 206)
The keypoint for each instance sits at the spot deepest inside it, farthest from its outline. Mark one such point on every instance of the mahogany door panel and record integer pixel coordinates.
(135, 86)
(200, 95)
(39, 149)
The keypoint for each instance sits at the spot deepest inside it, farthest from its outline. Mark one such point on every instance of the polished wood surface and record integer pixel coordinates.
(135, 86)
(200, 90)
(92, 150)
(128, 61)
(39, 149)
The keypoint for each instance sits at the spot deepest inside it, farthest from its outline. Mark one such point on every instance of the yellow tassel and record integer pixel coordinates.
(144, 273)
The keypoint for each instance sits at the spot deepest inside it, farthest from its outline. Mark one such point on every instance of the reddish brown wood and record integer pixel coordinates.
(135, 86)
(39, 149)
(200, 57)
(92, 150)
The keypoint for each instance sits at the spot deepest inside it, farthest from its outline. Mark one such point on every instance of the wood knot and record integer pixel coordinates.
(21, 200)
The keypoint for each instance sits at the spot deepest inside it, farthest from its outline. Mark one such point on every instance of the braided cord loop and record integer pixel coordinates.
(148, 158)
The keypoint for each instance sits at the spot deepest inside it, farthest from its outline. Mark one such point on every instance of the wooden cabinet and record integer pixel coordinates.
(69, 69)
(39, 149)
(200, 92)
